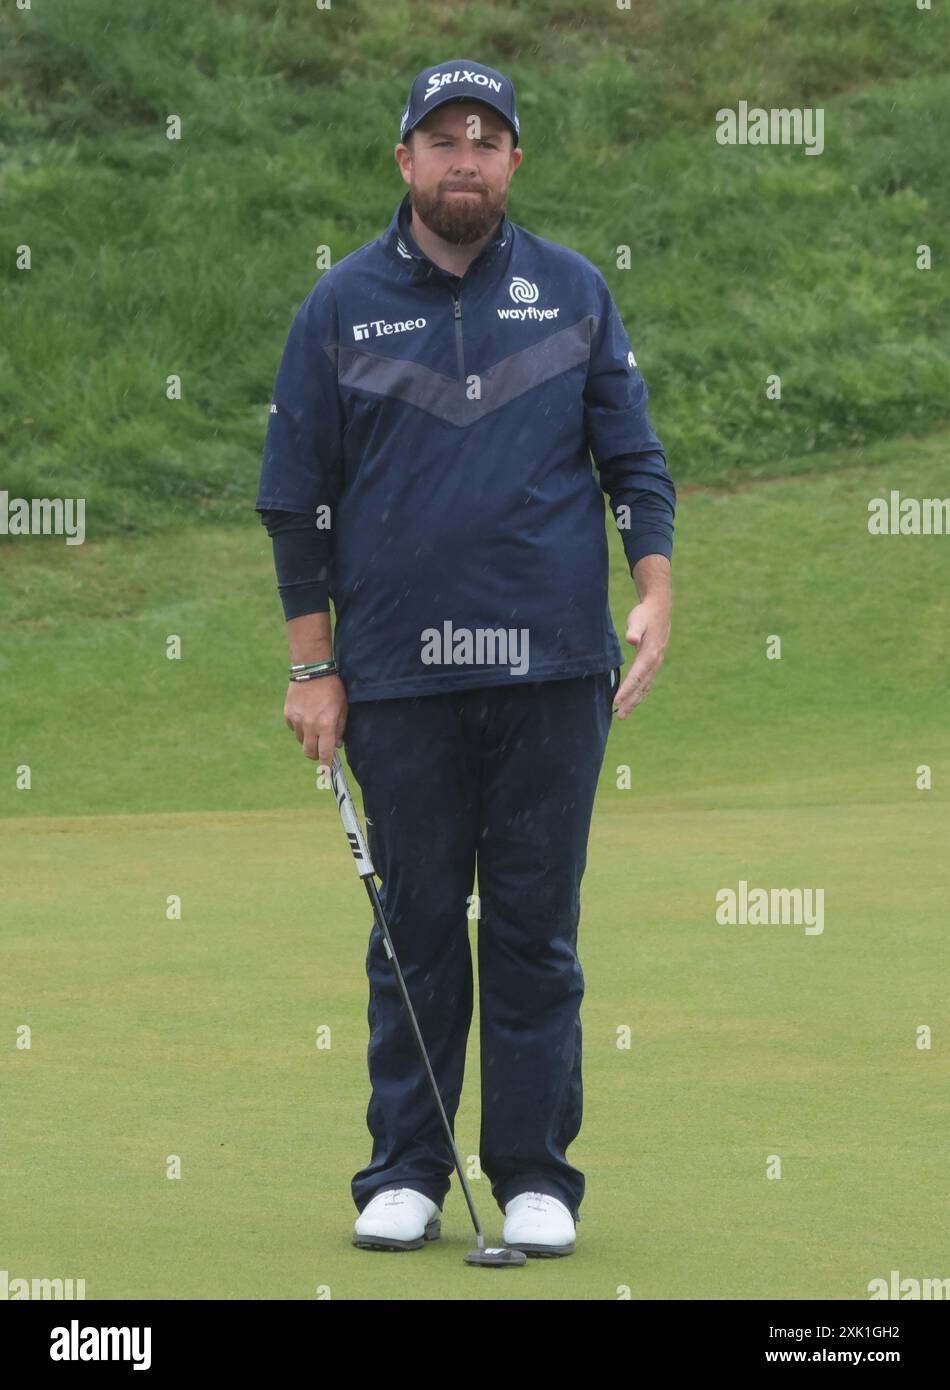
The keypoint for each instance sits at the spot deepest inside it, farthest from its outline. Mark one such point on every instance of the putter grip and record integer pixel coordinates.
(344, 801)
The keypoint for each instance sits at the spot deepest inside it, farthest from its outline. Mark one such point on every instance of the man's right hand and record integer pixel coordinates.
(316, 712)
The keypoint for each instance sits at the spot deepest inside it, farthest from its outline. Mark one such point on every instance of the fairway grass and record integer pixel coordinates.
(197, 1037)
(716, 1057)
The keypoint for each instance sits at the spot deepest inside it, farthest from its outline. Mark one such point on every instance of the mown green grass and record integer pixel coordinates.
(153, 777)
(197, 1038)
(109, 724)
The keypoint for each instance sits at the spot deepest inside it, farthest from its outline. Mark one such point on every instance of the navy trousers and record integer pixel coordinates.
(501, 778)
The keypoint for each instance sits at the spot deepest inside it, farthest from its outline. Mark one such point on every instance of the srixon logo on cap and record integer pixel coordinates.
(440, 79)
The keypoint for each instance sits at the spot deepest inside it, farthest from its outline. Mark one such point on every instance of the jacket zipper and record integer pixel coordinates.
(458, 337)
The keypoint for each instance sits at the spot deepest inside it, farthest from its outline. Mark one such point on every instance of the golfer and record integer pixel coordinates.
(428, 467)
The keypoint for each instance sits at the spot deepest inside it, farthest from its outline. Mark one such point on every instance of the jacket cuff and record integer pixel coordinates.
(647, 543)
(298, 600)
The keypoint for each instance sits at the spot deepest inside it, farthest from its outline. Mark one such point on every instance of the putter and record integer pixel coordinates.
(484, 1257)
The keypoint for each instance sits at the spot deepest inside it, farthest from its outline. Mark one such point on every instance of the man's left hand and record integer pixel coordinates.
(648, 629)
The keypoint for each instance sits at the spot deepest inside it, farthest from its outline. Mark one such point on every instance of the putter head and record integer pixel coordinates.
(497, 1258)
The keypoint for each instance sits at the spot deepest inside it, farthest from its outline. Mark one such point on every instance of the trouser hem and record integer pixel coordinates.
(427, 1189)
(516, 1186)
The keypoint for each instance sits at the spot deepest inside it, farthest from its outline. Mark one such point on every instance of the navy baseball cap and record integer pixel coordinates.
(452, 81)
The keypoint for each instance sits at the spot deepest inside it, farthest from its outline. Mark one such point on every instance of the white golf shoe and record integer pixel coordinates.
(397, 1219)
(538, 1224)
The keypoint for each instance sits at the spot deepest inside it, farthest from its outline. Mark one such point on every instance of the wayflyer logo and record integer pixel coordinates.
(522, 291)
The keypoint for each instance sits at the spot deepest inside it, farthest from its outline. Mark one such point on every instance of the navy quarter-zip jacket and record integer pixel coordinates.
(439, 431)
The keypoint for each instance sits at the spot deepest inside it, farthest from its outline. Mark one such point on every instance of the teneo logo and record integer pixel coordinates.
(524, 292)
(778, 907)
(461, 646)
(381, 329)
(909, 516)
(438, 80)
(15, 1289)
(75, 1343)
(908, 1288)
(777, 126)
(43, 516)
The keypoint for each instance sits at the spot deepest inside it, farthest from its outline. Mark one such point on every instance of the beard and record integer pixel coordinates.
(459, 221)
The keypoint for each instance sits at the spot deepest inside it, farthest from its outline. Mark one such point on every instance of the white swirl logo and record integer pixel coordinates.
(522, 291)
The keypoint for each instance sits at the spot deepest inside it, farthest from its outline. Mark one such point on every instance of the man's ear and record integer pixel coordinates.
(403, 156)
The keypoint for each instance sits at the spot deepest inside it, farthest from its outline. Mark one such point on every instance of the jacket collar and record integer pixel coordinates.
(400, 244)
